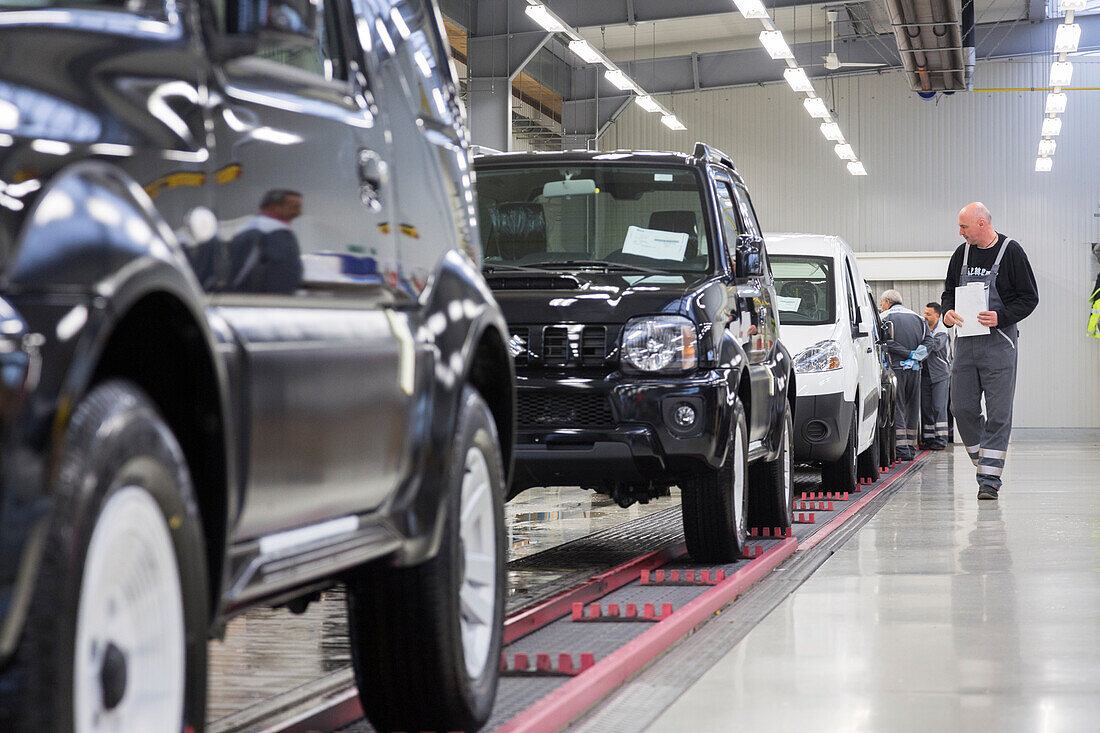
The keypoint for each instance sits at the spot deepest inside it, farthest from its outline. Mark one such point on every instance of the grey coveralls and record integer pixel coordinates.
(910, 331)
(985, 363)
(934, 385)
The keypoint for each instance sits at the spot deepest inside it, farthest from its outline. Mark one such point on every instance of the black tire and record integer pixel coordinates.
(771, 484)
(118, 452)
(868, 459)
(841, 475)
(406, 623)
(715, 524)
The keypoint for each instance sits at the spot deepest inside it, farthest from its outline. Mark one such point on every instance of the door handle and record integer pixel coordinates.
(373, 175)
(868, 349)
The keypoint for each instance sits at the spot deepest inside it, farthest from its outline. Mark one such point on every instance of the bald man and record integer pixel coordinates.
(986, 364)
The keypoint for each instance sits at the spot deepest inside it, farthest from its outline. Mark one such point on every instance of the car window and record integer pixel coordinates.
(325, 57)
(748, 215)
(853, 303)
(727, 210)
(158, 9)
(804, 288)
(627, 214)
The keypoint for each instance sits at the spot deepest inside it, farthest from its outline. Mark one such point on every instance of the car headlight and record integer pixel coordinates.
(659, 343)
(824, 356)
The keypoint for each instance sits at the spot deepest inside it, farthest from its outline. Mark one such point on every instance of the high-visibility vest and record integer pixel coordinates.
(1094, 316)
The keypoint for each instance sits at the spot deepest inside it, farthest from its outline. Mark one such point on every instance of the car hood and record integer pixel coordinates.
(595, 296)
(797, 338)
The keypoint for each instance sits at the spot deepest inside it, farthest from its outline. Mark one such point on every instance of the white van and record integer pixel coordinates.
(827, 321)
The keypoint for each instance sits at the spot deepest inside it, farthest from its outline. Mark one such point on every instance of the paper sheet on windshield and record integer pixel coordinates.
(970, 300)
(655, 244)
(788, 304)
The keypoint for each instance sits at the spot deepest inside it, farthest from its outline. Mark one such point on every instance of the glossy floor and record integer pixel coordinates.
(268, 652)
(941, 614)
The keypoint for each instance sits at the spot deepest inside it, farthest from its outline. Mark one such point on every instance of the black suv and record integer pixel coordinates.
(644, 328)
(246, 353)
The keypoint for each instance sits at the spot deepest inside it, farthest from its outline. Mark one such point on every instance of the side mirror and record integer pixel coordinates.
(750, 256)
(888, 330)
(861, 327)
(285, 24)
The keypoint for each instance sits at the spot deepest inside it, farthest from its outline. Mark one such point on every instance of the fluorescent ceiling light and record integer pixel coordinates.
(1061, 72)
(1047, 147)
(1064, 5)
(856, 168)
(585, 52)
(1052, 126)
(672, 123)
(647, 103)
(844, 151)
(9, 115)
(816, 107)
(1043, 165)
(1067, 38)
(774, 44)
(545, 18)
(1056, 103)
(798, 80)
(831, 131)
(751, 8)
(619, 79)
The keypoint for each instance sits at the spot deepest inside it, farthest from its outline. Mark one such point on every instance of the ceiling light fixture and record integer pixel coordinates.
(1047, 147)
(619, 79)
(831, 131)
(751, 9)
(856, 168)
(1061, 72)
(647, 103)
(1067, 38)
(585, 52)
(1065, 5)
(844, 151)
(672, 123)
(816, 107)
(1052, 126)
(1056, 103)
(774, 44)
(541, 15)
(797, 79)
(1043, 165)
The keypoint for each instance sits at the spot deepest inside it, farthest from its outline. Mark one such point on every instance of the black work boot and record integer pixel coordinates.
(987, 492)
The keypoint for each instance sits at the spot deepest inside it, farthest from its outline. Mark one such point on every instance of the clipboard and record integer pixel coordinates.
(970, 300)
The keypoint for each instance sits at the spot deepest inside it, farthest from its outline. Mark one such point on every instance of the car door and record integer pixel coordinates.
(326, 408)
(864, 346)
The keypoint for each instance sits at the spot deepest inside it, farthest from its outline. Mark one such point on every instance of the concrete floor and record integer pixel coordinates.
(941, 614)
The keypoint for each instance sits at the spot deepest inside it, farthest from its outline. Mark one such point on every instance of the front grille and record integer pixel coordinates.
(540, 409)
(519, 344)
(555, 345)
(593, 345)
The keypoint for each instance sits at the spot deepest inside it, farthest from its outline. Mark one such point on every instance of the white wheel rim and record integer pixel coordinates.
(738, 481)
(130, 608)
(478, 590)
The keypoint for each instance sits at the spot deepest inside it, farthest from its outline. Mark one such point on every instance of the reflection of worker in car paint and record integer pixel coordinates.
(265, 257)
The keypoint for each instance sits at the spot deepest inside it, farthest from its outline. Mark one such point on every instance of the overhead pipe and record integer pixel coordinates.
(968, 44)
(905, 23)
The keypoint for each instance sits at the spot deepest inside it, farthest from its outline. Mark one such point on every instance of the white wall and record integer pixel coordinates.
(926, 160)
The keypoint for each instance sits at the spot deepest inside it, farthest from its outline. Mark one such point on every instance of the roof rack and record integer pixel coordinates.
(712, 154)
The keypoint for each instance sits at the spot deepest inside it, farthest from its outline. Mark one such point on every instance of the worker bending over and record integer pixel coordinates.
(910, 345)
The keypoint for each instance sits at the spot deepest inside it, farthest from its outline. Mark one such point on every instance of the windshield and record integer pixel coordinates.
(804, 286)
(621, 216)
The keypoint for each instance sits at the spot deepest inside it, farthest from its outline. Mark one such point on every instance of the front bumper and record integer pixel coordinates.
(617, 428)
(821, 427)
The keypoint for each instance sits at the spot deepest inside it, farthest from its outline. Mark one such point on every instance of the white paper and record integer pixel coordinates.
(655, 244)
(788, 304)
(970, 300)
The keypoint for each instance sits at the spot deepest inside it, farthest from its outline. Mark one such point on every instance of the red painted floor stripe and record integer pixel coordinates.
(534, 618)
(578, 694)
(829, 528)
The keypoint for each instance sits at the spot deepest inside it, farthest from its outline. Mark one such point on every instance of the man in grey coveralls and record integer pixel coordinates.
(910, 346)
(987, 363)
(935, 380)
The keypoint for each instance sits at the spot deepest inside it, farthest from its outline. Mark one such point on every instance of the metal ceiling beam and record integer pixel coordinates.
(1036, 10)
(602, 12)
(754, 66)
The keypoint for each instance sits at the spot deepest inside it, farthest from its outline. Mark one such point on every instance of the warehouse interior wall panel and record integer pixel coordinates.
(927, 159)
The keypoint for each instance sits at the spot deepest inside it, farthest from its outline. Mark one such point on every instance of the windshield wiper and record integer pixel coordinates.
(493, 267)
(603, 263)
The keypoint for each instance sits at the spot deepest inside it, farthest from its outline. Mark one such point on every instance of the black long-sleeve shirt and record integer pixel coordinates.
(1015, 280)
